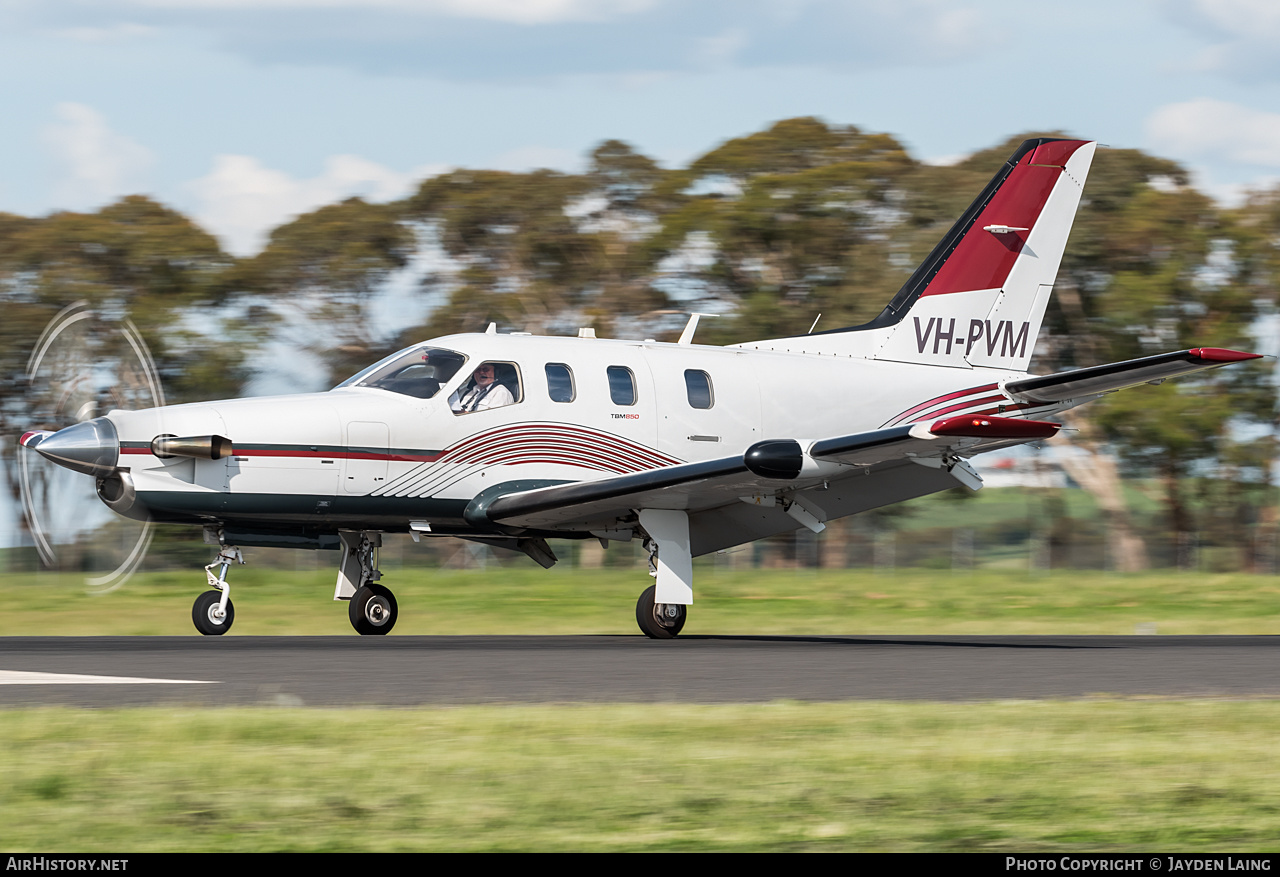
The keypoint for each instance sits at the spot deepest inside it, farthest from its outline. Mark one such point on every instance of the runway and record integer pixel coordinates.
(409, 671)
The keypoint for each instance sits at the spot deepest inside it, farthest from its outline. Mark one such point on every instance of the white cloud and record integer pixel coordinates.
(1247, 32)
(1216, 130)
(97, 165)
(242, 200)
(723, 49)
(114, 33)
(515, 11)
(518, 40)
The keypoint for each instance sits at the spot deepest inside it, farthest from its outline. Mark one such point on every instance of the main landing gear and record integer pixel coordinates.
(372, 608)
(213, 613)
(663, 607)
(659, 620)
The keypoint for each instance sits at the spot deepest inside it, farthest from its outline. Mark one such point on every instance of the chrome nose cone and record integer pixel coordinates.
(91, 447)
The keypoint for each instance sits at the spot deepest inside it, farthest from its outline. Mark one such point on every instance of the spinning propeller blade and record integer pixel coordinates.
(83, 364)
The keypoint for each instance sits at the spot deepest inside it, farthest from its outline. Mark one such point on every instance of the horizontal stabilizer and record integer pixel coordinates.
(967, 433)
(1100, 379)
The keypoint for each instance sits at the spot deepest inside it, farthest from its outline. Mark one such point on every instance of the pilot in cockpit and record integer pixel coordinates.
(481, 392)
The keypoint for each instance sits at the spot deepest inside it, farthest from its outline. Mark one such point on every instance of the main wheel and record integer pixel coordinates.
(659, 620)
(205, 614)
(373, 610)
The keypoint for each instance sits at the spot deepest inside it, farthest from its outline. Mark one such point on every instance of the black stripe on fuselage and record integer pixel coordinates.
(309, 510)
(259, 449)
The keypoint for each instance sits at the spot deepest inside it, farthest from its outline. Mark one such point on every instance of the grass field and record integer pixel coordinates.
(520, 600)
(1021, 776)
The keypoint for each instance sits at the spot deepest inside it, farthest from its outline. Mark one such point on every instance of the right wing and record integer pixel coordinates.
(1101, 379)
(766, 468)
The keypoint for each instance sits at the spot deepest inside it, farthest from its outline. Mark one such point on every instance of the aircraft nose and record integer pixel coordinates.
(91, 447)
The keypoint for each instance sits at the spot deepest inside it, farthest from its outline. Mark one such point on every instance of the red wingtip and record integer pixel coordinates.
(1221, 354)
(986, 426)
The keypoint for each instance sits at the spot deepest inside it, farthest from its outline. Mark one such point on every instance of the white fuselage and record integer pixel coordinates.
(364, 457)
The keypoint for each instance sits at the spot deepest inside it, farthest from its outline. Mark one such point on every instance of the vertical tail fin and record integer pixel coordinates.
(979, 297)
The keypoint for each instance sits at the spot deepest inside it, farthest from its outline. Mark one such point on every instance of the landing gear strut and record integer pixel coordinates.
(213, 612)
(372, 610)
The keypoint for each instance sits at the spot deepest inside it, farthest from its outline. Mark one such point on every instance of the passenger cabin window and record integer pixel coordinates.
(417, 372)
(560, 382)
(698, 385)
(491, 385)
(622, 385)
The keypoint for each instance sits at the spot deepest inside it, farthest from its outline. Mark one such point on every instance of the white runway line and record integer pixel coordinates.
(28, 677)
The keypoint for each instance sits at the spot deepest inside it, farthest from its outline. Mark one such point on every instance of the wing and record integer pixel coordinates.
(1118, 375)
(767, 469)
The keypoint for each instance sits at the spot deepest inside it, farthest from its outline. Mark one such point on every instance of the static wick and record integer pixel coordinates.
(815, 324)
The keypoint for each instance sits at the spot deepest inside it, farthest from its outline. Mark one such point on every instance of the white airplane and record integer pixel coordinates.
(511, 439)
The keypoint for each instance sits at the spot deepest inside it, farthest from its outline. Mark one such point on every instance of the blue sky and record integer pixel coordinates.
(242, 113)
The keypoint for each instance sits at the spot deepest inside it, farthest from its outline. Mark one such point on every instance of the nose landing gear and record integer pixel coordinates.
(212, 612)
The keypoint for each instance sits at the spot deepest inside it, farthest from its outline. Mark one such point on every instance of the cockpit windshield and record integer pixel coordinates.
(418, 371)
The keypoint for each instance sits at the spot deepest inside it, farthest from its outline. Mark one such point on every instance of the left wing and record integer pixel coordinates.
(766, 468)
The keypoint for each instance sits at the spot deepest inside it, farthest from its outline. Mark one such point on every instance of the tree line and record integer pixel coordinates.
(770, 229)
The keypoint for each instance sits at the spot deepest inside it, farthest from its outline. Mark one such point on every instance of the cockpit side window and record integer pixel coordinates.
(417, 372)
(491, 385)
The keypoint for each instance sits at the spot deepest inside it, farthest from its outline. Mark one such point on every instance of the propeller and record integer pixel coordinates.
(84, 364)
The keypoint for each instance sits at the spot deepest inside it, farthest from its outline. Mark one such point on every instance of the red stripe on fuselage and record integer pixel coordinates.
(937, 400)
(968, 403)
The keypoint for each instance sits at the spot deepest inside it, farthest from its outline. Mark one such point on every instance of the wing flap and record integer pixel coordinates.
(1100, 379)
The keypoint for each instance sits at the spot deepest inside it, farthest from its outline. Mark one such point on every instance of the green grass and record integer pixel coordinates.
(1050, 776)
(1012, 776)
(522, 600)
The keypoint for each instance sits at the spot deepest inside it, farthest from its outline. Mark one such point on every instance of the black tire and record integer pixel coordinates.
(373, 610)
(654, 625)
(203, 618)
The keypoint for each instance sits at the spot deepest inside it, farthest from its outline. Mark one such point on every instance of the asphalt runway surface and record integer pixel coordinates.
(412, 670)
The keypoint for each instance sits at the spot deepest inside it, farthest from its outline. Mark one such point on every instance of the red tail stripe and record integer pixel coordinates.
(982, 260)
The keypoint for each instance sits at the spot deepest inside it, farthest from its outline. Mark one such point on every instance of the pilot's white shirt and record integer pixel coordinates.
(495, 398)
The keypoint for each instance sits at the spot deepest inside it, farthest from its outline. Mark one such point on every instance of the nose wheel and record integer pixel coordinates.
(209, 616)
(213, 613)
(373, 610)
(659, 620)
